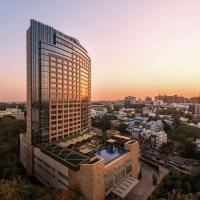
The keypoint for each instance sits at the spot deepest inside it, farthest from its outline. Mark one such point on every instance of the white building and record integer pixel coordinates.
(98, 110)
(145, 135)
(127, 111)
(158, 139)
(17, 113)
(195, 109)
(145, 111)
(155, 126)
(152, 114)
(158, 103)
(198, 144)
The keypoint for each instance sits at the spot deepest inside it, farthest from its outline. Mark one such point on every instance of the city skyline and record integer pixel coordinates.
(138, 48)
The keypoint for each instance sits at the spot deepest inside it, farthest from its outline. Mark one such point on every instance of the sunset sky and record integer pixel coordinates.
(137, 47)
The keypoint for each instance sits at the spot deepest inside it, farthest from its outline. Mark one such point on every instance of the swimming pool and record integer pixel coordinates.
(110, 154)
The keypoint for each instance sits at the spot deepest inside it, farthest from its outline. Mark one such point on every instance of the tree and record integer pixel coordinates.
(198, 195)
(189, 150)
(122, 127)
(176, 195)
(64, 195)
(13, 189)
(166, 127)
(183, 132)
(75, 193)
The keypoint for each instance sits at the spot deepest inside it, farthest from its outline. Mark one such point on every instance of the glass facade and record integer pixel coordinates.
(58, 85)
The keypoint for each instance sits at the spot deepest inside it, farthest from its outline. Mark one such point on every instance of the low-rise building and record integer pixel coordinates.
(145, 135)
(157, 139)
(115, 123)
(98, 110)
(155, 126)
(145, 111)
(158, 103)
(198, 144)
(195, 109)
(15, 112)
(128, 111)
(134, 131)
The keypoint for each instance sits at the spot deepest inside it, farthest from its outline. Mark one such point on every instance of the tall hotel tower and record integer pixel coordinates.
(60, 147)
(58, 85)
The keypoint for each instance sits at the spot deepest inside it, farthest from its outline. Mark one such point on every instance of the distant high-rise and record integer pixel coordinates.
(195, 100)
(172, 99)
(58, 85)
(128, 101)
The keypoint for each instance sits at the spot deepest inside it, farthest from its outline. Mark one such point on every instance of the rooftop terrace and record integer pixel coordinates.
(68, 157)
(82, 149)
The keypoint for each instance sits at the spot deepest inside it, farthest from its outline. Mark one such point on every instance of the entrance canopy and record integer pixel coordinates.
(125, 187)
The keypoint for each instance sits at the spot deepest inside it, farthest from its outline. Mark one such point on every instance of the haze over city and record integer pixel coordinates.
(137, 48)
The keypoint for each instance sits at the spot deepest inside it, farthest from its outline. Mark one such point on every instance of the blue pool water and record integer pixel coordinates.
(109, 154)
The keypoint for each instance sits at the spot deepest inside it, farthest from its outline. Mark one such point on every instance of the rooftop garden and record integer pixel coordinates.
(68, 156)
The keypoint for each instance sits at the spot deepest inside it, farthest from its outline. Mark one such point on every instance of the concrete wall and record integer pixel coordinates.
(133, 147)
(49, 171)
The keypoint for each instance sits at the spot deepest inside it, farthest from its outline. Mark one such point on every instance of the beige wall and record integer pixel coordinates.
(134, 151)
(90, 178)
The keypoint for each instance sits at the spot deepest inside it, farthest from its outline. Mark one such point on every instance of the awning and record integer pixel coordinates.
(125, 187)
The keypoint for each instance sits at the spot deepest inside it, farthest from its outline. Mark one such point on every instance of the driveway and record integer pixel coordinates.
(145, 187)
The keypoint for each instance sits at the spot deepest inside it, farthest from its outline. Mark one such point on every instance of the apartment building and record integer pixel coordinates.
(15, 112)
(195, 110)
(157, 139)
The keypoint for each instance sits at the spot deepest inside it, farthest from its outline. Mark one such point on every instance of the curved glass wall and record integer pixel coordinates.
(58, 85)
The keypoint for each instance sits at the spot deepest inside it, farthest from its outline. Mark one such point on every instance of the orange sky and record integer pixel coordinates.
(139, 48)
